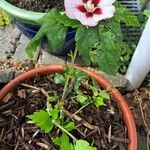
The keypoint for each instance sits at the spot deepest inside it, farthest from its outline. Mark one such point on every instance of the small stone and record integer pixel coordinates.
(20, 53)
(51, 59)
(118, 80)
(6, 36)
(6, 75)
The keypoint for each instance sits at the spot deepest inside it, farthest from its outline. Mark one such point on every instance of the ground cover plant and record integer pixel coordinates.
(4, 19)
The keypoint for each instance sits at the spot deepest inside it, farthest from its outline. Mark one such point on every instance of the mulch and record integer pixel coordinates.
(39, 5)
(16, 132)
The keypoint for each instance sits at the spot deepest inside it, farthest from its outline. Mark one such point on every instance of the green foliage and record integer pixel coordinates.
(124, 15)
(147, 12)
(52, 117)
(107, 35)
(4, 19)
(42, 120)
(81, 98)
(70, 126)
(59, 78)
(99, 98)
(83, 145)
(76, 75)
(86, 38)
(63, 142)
(111, 50)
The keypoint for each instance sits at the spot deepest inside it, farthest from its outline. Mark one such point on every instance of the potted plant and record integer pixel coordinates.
(98, 39)
(52, 112)
(121, 15)
(26, 21)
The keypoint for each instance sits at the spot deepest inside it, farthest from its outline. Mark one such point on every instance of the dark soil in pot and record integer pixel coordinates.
(139, 102)
(39, 5)
(17, 133)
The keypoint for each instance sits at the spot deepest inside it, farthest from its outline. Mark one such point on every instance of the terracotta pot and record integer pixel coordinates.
(127, 115)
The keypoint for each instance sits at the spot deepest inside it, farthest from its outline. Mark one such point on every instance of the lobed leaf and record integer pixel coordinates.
(59, 78)
(85, 39)
(63, 142)
(147, 12)
(83, 145)
(41, 119)
(70, 126)
(124, 15)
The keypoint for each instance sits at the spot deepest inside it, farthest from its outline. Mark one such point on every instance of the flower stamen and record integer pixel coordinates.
(89, 6)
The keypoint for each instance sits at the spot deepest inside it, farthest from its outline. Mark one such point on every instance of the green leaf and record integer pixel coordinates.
(147, 12)
(31, 48)
(80, 75)
(81, 98)
(56, 35)
(99, 101)
(69, 22)
(95, 84)
(52, 29)
(52, 98)
(107, 54)
(115, 28)
(124, 15)
(56, 140)
(76, 86)
(86, 38)
(55, 112)
(59, 78)
(70, 126)
(105, 95)
(83, 145)
(99, 97)
(56, 16)
(49, 17)
(63, 142)
(42, 120)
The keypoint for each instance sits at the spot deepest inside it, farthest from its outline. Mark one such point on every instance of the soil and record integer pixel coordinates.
(39, 5)
(18, 134)
(139, 102)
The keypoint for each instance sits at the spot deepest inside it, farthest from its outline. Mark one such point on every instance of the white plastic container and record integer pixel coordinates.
(140, 63)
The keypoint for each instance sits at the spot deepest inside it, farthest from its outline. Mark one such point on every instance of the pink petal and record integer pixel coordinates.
(70, 7)
(105, 3)
(108, 11)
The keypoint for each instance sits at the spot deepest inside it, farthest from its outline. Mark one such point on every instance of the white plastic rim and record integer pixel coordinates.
(140, 63)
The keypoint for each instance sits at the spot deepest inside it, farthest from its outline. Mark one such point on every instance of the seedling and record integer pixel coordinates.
(54, 116)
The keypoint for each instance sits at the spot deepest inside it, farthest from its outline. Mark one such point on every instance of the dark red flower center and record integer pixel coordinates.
(90, 8)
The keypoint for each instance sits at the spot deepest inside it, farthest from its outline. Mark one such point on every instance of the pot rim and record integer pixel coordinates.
(19, 13)
(127, 115)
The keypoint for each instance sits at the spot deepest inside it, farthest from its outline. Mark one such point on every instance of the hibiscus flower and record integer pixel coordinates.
(89, 12)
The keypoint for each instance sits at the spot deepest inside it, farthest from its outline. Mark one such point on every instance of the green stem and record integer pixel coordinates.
(60, 127)
(68, 78)
(81, 108)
